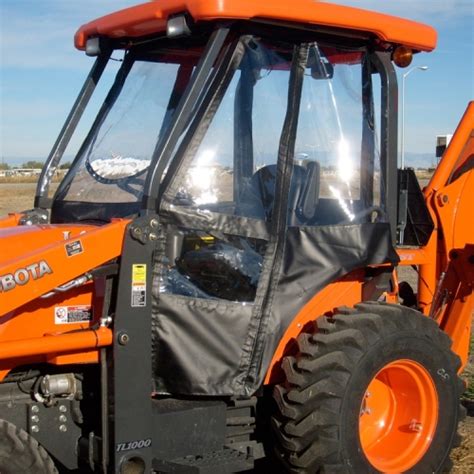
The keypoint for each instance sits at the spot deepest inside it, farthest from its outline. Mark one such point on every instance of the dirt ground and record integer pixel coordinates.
(19, 196)
(463, 457)
(16, 197)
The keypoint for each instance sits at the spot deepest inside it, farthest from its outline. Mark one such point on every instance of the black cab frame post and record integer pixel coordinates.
(389, 130)
(42, 201)
(164, 148)
(132, 425)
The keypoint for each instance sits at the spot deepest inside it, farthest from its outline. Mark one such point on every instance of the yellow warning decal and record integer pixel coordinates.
(139, 273)
(138, 285)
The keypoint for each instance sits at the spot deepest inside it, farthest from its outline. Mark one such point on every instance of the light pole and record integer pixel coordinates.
(402, 145)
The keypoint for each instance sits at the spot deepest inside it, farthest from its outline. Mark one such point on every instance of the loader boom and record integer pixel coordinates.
(445, 290)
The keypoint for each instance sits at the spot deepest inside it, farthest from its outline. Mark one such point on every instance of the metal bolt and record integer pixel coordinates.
(35, 428)
(453, 254)
(153, 236)
(62, 408)
(443, 199)
(35, 409)
(63, 428)
(63, 418)
(106, 321)
(35, 418)
(123, 338)
(154, 223)
(416, 426)
(137, 230)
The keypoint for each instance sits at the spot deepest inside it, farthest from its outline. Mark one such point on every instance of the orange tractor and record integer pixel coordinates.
(213, 286)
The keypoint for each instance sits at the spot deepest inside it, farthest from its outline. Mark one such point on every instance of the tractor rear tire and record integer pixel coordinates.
(21, 453)
(371, 389)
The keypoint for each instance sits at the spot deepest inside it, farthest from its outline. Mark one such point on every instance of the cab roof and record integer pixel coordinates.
(151, 17)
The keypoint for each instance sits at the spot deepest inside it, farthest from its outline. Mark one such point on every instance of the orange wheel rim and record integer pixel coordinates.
(398, 416)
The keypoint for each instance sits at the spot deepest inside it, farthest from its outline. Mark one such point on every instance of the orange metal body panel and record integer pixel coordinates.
(454, 206)
(151, 17)
(29, 332)
(27, 245)
(67, 342)
(413, 256)
(439, 245)
(36, 320)
(9, 220)
(445, 287)
(76, 345)
(454, 300)
(345, 292)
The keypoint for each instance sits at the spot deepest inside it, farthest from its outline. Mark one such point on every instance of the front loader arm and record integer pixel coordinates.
(445, 290)
(10, 220)
(447, 201)
(35, 273)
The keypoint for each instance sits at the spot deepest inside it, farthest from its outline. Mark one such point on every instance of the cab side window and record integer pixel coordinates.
(336, 178)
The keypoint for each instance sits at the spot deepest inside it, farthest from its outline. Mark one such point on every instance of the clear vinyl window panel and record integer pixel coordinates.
(336, 173)
(233, 165)
(202, 265)
(113, 162)
(230, 168)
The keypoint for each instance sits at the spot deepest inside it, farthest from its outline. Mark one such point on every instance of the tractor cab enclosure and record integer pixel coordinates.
(265, 156)
(215, 274)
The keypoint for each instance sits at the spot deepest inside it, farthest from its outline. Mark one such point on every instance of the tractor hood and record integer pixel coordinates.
(19, 241)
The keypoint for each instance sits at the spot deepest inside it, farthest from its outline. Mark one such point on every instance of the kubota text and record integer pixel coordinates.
(22, 275)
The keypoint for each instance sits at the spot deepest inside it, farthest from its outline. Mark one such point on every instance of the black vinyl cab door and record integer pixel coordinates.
(337, 213)
(275, 191)
(216, 246)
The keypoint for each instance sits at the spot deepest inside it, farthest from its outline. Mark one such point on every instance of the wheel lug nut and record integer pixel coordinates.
(415, 426)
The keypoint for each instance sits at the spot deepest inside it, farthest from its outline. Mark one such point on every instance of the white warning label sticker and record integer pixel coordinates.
(72, 314)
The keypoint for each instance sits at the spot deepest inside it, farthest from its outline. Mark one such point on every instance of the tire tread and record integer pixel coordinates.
(20, 452)
(316, 379)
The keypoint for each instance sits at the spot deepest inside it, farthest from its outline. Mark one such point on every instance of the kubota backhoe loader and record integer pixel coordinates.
(213, 286)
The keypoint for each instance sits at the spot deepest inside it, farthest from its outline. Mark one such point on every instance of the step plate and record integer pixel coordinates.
(225, 461)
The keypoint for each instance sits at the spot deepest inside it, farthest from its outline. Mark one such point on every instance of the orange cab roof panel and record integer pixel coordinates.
(148, 18)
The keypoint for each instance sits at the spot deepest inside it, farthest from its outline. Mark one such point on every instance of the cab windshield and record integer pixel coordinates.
(227, 154)
(112, 164)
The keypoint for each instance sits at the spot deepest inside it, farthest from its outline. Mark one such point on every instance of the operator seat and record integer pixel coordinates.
(258, 198)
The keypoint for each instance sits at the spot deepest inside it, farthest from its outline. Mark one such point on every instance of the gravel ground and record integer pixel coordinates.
(16, 197)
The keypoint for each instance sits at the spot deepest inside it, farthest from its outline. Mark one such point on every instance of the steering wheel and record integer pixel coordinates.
(364, 213)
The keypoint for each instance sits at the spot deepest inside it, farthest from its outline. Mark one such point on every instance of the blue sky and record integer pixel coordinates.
(41, 72)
